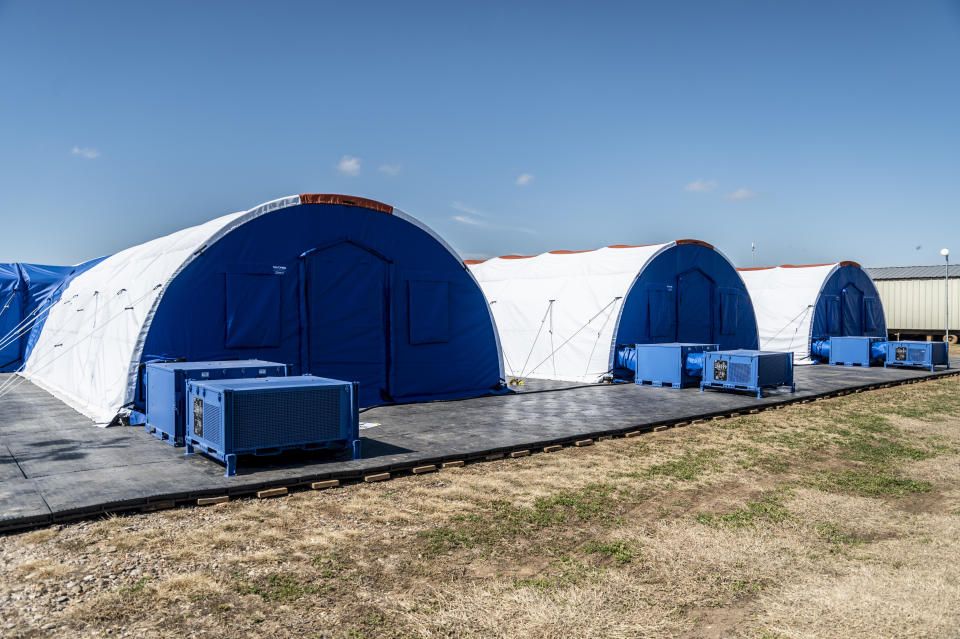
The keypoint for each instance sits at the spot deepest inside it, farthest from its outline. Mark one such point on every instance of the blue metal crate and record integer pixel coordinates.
(747, 370)
(666, 364)
(921, 354)
(166, 382)
(853, 351)
(267, 416)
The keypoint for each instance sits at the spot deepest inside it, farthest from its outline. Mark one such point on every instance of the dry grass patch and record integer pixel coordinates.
(836, 518)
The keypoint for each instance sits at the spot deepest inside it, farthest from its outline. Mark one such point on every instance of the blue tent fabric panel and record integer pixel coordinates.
(11, 314)
(650, 309)
(429, 312)
(729, 311)
(190, 317)
(834, 325)
(661, 311)
(849, 304)
(872, 313)
(252, 310)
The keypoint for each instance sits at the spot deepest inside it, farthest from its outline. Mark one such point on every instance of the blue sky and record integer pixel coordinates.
(819, 130)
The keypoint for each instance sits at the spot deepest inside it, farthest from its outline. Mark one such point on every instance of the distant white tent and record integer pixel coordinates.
(798, 304)
(561, 315)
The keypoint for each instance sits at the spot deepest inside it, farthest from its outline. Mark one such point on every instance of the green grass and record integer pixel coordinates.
(770, 509)
(139, 588)
(935, 398)
(838, 540)
(498, 520)
(621, 551)
(881, 450)
(689, 466)
(568, 572)
(281, 588)
(869, 483)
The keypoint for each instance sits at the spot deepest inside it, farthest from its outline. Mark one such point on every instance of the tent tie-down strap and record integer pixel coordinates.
(518, 380)
(6, 303)
(593, 350)
(9, 386)
(26, 324)
(577, 332)
(798, 320)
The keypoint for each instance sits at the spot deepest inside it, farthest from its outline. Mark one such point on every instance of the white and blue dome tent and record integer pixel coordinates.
(797, 305)
(27, 291)
(335, 286)
(563, 314)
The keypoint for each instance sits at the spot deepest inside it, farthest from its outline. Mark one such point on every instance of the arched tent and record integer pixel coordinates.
(333, 285)
(562, 314)
(798, 304)
(26, 292)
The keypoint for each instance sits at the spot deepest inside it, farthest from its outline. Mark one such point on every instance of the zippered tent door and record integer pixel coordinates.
(346, 300)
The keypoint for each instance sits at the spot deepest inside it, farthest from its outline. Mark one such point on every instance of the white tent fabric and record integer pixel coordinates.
(557, 312)
(89, 350)
(784, 299)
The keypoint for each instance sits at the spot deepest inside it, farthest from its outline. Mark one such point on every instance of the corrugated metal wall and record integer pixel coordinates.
(919, 304)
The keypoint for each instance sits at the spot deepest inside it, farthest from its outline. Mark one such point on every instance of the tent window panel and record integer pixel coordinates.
(661, 312)
(253, 310)
(729, 312)
(429, 312)
(833, 314)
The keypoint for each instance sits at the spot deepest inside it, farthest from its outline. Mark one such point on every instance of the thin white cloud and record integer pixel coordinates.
(390, 169)
(701, 185)
(466, 219)
(524, 179)
(349, 165)
(85, 152)
(477, 219)
(463, 208)
(741, 194)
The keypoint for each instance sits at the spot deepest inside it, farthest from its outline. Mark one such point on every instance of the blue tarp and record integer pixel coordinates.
(849, 304)
(336, 291)
(688, 293)
(26, 292)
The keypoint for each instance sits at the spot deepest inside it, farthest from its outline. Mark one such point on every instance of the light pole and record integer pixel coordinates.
(945, 252)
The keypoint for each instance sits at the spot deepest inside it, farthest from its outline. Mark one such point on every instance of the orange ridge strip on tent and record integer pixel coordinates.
(345, 200)
(697, 242)
(763, 268)
(564, 252)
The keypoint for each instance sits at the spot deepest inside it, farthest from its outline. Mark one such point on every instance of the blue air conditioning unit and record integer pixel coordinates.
(674, 364)
(747, 370)
(850, 351)
(268, 416)
(921, 354)
(166, 388)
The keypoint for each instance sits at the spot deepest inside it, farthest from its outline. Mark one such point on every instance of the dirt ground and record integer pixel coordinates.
(839, 518)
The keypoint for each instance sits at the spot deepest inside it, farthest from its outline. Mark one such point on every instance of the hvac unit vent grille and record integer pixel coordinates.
(738, 373)
(211, 423)
(916, 354)
(264, 420)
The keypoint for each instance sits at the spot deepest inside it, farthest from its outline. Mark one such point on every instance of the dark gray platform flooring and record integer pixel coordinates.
(56, 465)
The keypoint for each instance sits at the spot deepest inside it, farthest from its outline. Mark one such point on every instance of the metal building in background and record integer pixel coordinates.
(913, 299)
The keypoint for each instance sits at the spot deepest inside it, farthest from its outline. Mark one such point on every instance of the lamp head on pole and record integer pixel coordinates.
(945, 252)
